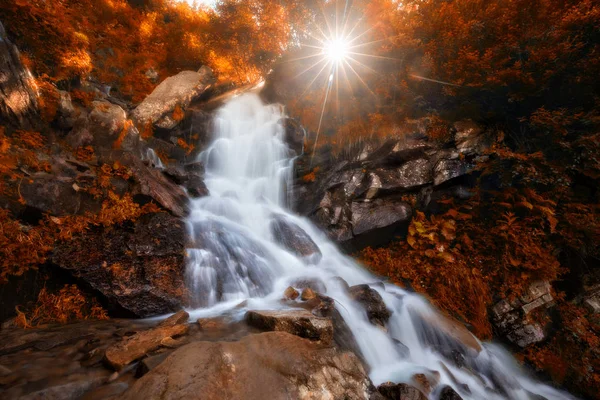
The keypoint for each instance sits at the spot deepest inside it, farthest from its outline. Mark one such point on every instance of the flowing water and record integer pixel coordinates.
(235, 264)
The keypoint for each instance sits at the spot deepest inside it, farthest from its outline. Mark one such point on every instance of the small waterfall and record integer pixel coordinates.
(235, 263)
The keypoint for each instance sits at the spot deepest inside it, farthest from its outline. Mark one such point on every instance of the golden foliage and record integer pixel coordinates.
(69, 304)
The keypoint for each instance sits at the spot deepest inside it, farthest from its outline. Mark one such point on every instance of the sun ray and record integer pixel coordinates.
(360, 79)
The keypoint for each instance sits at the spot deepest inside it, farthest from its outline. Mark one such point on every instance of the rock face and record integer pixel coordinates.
(513, 318)
(297, 322)
(372, 302)
(274, 365)
(138, 268)
(177, 91)
(134, 347)
(18, 94)
(361, 198)
(400, 391)
(294, 239)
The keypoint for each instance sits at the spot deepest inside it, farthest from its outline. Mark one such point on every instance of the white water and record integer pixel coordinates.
(234, 258)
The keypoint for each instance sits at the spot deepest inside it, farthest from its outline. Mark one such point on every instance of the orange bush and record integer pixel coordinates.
(67, 305)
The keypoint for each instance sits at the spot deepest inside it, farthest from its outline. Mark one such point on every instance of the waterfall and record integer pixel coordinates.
(235, 264)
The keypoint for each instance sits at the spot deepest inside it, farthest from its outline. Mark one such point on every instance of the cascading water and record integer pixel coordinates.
(235, 258)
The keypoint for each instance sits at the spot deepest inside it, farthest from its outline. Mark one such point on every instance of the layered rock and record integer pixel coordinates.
(362, 200)
(256, 367)
(514, 320)
(18, 93)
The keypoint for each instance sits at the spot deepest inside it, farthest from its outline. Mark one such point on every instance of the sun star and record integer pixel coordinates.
(336, 50)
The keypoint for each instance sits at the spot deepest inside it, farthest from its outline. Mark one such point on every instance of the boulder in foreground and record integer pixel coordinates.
(273, 365)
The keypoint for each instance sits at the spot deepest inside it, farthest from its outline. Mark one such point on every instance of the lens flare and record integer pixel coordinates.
(336, 50)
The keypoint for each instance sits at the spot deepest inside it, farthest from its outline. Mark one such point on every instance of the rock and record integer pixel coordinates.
(135, 347)
(448, 393)
(400, 391)
(18, 93)
(315, 284)
(397, 152)
(196, 187)
(409, 176)
(180, 317)
(308, 294)
(64, 391)
(371, 217)
(446, 170)
(152, 183)
(592, 304)
(295, 135)
(470, 138)
(139, 268)
(256, 367)
(107, 392)
(372, 302)
(299, 323)
(149, 363)
(51, 194)
(177, 91)
(110, 128)
(426, 382)
(212, 324)
(66, 115)
(513, 319)
(293, 238)
(290, 293)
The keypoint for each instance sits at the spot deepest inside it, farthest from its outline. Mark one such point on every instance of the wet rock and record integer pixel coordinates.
(592, 304)
(372, 302)
(64, 391)
(444, 333)
(177, 91)
(403, 350)
(294, 135)
(212, 324)
(400, 391)
(299, 323)
(448, 393)
(294, 239)
(308, 294)
(149, 363)
(139, 268)
(107, 392)
(180, 317)
(290, 293)
(273, 365)
(18, 95)
(196, 187)
(514, 321)
(426, 382)
(135, 347)
(314, 284)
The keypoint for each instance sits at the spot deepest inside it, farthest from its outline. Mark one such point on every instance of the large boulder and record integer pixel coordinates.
(49, 194)
(175, 92)
(293, 238)
(399, 391)
(273, 365)
(18, 93)
(139, 268)
(297, 322)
